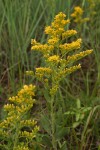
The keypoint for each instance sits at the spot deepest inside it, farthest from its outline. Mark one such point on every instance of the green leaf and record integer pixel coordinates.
(46, 141)
(45, 122)
(77, 116)
(64, 146)
(75, 124)
(69, 113)
(61, 132)
(87, 109)
(82, 116)
(46, 95)
(78, 103)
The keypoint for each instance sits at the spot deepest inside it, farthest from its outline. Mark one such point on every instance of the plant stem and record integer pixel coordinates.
(53, 124)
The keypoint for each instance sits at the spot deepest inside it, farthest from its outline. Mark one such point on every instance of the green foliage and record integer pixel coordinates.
(77, 106)
(79, 113)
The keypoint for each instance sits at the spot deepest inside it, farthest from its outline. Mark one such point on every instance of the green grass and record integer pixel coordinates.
(22, 20)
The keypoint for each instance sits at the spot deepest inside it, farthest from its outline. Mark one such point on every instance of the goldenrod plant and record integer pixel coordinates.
(17, 131)
(78, 17)
(59, 56)
(77, 96)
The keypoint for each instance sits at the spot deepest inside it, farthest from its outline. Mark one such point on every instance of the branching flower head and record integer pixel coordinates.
(77, 15)
(15, 121)
(56, 50)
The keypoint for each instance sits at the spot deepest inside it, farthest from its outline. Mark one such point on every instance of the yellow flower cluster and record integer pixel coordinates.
(54, 89)
(68, 33)
(28, 122)
(16, 113)
(21, 147)
(55, 59)
(30, 135)
(57, 27)
(55, 50)
(53, 41)
(67, 47)
(43, 71)
(63, 73)
(43, 48)
(72, 69)
(27, 90)
(78, 56)
(78, 15)
(23, 101)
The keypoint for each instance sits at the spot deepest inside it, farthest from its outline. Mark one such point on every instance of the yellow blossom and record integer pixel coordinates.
(48, 30)
(68, 33)
(60, 16)
(78, 15)
(72, 69)
(53, 90)
(30, 135)
(43, 71)
(53, 41)
(29, 90)
(28, 122)
(34, 42)
(77, 12)
(9, 107)
(54, 59)
(21, 147)
(71, 46)
(59, 23)
(16, 117)
(78, 56)
(57, 26)
(44, 48)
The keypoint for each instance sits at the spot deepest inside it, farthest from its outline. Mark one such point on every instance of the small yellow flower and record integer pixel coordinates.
(54, 59)
(77, 15)
(30, 122)
(48, 30)
(44, 48)
(78, 56)
(68, 33)
(53, 41)
(16, 118)
(57, 26)
(60, 16)
(9, 107)
(43, 71)
(72, 69)
(21, 147)
(53, 90)
(26, 91)
(77, 12)
(71, 46)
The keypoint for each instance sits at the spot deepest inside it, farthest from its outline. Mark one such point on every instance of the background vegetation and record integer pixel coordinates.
(20, 21)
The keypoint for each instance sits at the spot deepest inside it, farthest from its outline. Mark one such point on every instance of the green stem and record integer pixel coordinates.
(53, 124)
(16, 135)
